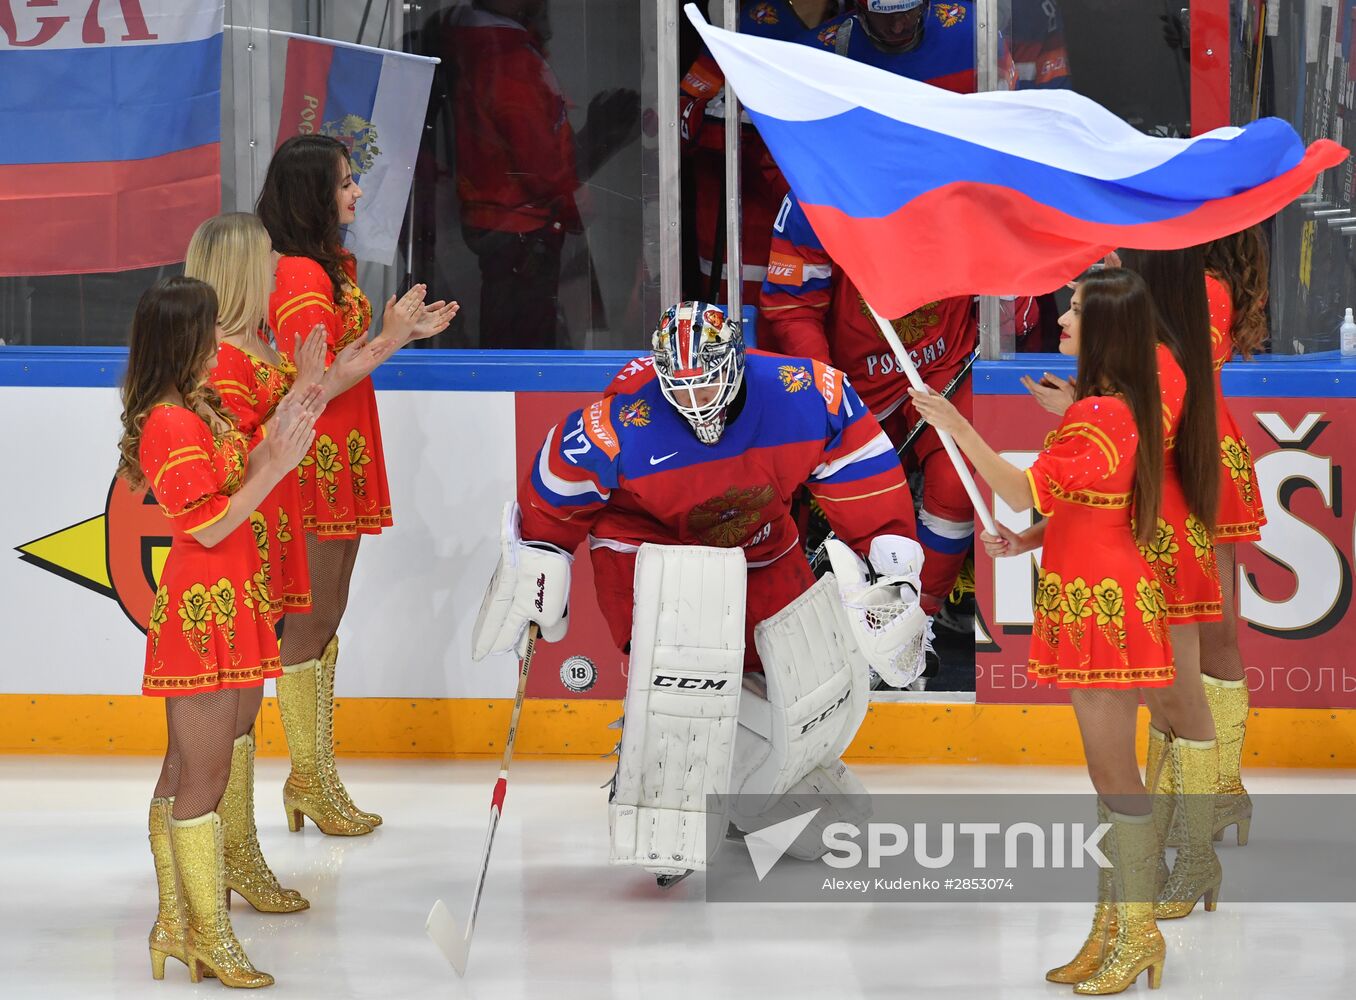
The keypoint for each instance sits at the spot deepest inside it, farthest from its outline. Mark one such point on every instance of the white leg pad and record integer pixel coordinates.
(682, 704)
(801, 715)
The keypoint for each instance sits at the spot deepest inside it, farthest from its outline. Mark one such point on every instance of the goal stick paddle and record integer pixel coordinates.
(441, 926)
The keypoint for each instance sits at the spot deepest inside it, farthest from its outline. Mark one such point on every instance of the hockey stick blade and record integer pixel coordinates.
(451, 941)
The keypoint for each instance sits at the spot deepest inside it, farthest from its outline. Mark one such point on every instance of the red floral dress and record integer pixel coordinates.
(1182, 551)
(251, 388)
(211, 625)
(1240, 503)
(343, 480)
(1101, 617)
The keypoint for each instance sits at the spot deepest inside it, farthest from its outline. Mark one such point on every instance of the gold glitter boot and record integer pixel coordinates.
(167, 936)
(247, 873)
(1137, 946)
(1229, 705)
(1162, 789)
(306, 716)
(326, 703)
(1196, 871)
(1090, 956)
(211, 945)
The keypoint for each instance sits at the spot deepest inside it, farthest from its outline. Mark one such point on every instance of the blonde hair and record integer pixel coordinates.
(233, 253)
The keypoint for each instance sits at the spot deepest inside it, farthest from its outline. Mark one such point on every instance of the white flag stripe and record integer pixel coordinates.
(398, 115)
(1091, 140)
(169, 20)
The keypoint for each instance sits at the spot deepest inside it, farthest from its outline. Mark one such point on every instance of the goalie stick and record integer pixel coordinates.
(441, 925)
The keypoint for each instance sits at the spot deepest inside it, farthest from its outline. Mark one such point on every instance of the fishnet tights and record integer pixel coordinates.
(203, 729)
(1219, 640)
(1182, 709)
(306, 636)
(1106, 719)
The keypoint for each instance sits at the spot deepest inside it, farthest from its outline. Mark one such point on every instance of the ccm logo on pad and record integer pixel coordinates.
(688, 683)
(825, 714)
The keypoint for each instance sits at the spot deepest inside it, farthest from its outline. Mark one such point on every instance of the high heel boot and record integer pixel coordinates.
(210, 944)
(328, 660)
(167, 934)
(1162, 789)
(307, 719)
(247, 873)
(1228, 702)
(1196, 870)
(1137, 946)
(1090, 957)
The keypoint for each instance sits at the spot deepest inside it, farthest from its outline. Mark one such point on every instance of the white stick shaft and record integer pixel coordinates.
(911, 373)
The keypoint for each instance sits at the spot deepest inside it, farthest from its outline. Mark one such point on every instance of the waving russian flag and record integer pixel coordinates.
(920, 194)
(111, 123)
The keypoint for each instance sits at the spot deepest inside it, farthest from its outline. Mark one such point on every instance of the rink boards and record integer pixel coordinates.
(83, 555)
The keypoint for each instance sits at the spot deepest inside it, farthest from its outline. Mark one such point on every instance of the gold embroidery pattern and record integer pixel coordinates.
(1161, 552)
(195, 611)
(1047, 605)
(1238, 461)
(284, 532)
(358, 458)
(910, 328)
(1089, 498)
(1108, 601)
(224, 609)
(1153, 608)
(1076, 604)
(258, 597)
(1202, 545)
(325, 459)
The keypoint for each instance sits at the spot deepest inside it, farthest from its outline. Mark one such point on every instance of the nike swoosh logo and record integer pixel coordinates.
(656, 461)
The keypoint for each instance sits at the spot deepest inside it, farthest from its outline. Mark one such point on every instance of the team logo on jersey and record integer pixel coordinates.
(360, 136)
(950, 14)
(913, 327)
(635, 414)
(829, 35)
(794, 377)
(725, 521)
(764, 13)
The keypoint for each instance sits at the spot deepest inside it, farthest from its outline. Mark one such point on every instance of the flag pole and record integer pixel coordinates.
(911, 373)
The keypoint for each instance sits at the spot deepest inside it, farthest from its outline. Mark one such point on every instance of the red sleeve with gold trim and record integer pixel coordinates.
(1098, 434)
(572, 477)
(859, 482)
(233, 378)
(176, 457)
(303, 297)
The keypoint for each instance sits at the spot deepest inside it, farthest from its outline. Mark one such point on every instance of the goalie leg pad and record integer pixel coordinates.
(682, 704)
(807, 707)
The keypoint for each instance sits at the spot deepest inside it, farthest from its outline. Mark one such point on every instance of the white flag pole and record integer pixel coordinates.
(911, 373)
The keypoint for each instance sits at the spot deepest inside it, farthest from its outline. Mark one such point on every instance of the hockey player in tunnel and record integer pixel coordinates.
(810, 307)
(745, 675)
(701, 106)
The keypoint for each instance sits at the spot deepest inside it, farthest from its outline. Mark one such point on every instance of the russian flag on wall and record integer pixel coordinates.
(920, 194)
(111, 121)
(372, 100)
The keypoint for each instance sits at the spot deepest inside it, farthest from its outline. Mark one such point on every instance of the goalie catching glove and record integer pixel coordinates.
(882, 607)
(530, 584)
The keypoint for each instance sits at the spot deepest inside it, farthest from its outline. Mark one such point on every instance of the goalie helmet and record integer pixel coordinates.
(699, 360)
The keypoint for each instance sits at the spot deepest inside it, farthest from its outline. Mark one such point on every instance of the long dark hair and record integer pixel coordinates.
(173, 344)
(1116, 356)
(297, 204)
(1243, 262)
(1176, 281)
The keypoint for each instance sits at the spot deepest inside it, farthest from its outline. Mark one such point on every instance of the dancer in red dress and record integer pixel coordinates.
(308, 193)
(1101, 626)
(1237, 287)
(210, 634)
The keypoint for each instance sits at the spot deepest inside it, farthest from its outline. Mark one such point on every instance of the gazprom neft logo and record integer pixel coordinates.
(975, 845)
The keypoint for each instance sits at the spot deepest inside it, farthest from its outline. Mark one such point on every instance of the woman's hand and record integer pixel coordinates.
(1054, 394)
(357, 361)
(1007, 542)
(400, 316)
(434, 319)
(311, 357)
(292, 428)
(938, 411)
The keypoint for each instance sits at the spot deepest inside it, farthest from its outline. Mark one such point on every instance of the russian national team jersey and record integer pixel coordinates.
(945, 58)
(811, 307)
(628, 469)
